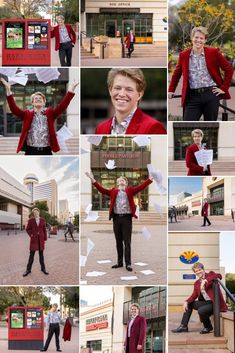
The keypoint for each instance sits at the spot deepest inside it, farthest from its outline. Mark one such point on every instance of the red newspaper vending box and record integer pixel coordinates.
(26, 42)
(25, 327)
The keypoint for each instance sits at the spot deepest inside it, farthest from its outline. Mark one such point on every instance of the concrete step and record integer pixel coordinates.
(85, 54)
(198, 350)
(221, 167)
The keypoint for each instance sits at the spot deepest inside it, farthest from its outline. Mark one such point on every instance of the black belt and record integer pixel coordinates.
(201, 89)
(122, 214)
(39, 148)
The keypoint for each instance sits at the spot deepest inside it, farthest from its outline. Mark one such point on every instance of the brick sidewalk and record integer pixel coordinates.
(152, 251)
(218, 223)
(61, 259)
(139, 62)
(67, 347)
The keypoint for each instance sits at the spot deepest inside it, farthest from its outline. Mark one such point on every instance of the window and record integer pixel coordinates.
(95, 345)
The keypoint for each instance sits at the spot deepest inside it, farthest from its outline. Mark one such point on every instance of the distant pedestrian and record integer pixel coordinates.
(232, 214)
(205, 213)
(130, 41)
(69, 229)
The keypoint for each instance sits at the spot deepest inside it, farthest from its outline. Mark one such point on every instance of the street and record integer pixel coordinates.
(194, 224)
(61, 259)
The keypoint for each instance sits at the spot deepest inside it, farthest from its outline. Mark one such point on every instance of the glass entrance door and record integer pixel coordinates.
(110, 28)
(127, 25)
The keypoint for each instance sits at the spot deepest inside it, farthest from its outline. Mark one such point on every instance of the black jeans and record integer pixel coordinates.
(201, 103)
(204, 309)
(69, 231)
(122, 227)
(31, 259)
(65, 53)
(130, 49)
(30, 150)
(206, 219)
(53, 329)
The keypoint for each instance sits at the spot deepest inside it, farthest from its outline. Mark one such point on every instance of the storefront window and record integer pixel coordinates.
(95, 345)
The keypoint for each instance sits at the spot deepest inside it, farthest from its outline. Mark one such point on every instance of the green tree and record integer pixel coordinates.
(69, 9)
(230, 282)
(76, 221)
(42, 206)
(29, 8)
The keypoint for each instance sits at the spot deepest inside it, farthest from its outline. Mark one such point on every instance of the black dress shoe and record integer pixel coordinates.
(129, 268)
(117, 266)
(58, 350)
(45, 272)
(202, 225)
(181, 328)
(26, 273)
(206, 330)
(43, 350)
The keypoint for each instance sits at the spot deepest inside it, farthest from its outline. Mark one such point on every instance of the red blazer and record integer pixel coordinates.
(67, 330)
(38, 234)
(214, 62)
(191, 161)
(27, 117)
(56, 33)
(209, 290)
(139, 124)
(130, 191)
(128, 40)
(205, 209)
(137, 335)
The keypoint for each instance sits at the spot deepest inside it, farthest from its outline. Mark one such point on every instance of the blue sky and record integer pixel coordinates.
(227, 247)
(187, 184)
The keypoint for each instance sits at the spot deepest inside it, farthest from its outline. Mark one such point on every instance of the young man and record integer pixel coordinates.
(65, 38)
(205, 213)
(126, 88)
(38, 136)
(122, 209)
(136, 331)
(53, 327)
(129, 41)
(203, 84)
(191, 162)
(201, 300)
(36, 229)
(69, 228)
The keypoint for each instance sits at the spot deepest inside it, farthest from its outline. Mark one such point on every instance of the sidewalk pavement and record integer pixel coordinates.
(55, 61)
(218, 223)
(133, 62)
(66, 347)
(153, 252)
(61, 259)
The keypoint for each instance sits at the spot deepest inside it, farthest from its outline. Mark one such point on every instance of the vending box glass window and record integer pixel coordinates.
(14, 35)
(17, 318)
(37, 35)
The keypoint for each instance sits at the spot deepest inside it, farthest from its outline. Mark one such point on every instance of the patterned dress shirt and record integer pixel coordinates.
(198, 73)
(64, 36)
(120, 128)
(38, 135)
(122, 204)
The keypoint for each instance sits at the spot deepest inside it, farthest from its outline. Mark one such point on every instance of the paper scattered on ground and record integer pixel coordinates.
(141, 141)
(83, 260)
(146, 233)
(110, 164)
(95, 274)
(104, 261)
(95, 140)
(128, 278)
(92, 216)
(140, 264)
(147, 272)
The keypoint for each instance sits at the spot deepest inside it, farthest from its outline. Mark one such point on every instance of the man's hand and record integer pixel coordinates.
(217, 91)
(170, 95)
(203, 284)
(91, 176)
(139, 347)
(150, 177)
(185, 306)
(7, 86)
(73, 86)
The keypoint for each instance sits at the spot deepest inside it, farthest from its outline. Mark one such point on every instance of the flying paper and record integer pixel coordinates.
(110, 164)
(95, 274)
(21, 79)
(63, 134)
(88, 208)
(95, 140)
(137, 211)
(47, 75)
(90, 246)
(156, 174)
(8, 71)
(158, 208)
(83, 260)
(92, 216)
(141, 141)
(146, 234)
(82, 151)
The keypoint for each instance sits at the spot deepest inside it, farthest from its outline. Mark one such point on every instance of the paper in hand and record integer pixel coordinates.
(156, 174)
(110, 164)
(137, 211)
(142, 141)
(21, 79)
(94, 140)
(146, 234)
(8, 71)
(204, 157)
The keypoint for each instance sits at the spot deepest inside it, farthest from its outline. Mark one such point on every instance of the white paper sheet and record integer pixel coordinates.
(92, 216)
(8, 71)
(64, 133)
(94, 140)
(95, 274)
(103, 261)
(83, 282)
(29, 70)
(204, 157)
(158, 209)
(82, 151)
(140, 264)
(146, 234)
(88, 208)
(110, 164)
(48, 74)
(147, 272)
(83, 260)
(90, 246)
(156, 174)
(137, 211)
(142, 141)
(20, 79)
(128, 278)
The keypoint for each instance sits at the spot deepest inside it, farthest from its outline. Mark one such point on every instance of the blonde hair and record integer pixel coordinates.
(136, 305)
(38, 94)
(197, 131)
(200, 29)
(123, 177)
(197, 265)
(134, 74)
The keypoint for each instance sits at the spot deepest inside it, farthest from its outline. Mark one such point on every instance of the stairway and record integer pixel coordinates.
(217, 168)
(146, 218)
(148, 51)
(85, 54)
(193, 341)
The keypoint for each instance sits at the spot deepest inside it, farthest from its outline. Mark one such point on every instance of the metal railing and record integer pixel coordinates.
(216, 307)
(92, 40)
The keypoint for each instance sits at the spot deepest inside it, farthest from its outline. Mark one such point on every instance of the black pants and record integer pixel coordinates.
(68, 232)
(122, 227)
(197, 104)
(127, 345)
(37, 150)
(53, 329)
(206, 219)
(130, 49)
(31, 259)
(65, 54)
(204, 309)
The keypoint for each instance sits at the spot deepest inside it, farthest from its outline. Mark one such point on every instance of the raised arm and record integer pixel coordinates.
(98, 186)
(19, 113)
(142, 186)
(63, 105)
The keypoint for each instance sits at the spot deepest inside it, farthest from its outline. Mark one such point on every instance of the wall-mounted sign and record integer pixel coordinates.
(189, 276)
(196, 203)
(97, 322)
(189, 257)
(119, 3)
